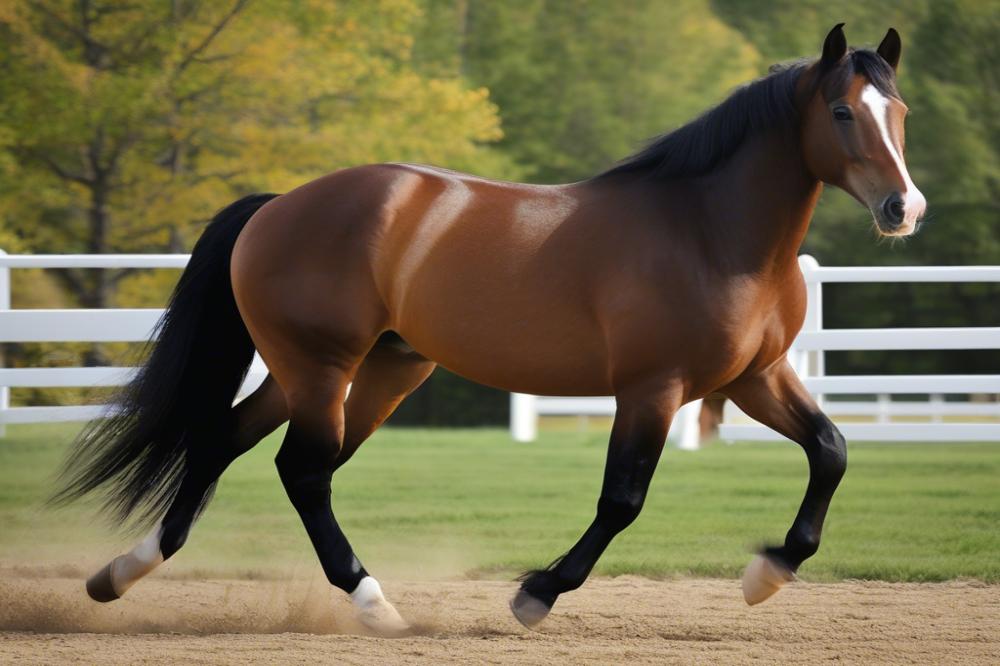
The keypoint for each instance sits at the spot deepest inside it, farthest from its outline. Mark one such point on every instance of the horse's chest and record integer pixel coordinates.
(762, 324)
(730, 330)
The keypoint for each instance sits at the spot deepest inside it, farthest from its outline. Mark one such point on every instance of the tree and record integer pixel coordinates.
(583, 83)
(123, 126)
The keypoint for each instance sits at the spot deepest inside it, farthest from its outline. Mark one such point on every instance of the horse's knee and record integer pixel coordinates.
(617, 513)
(829, 452)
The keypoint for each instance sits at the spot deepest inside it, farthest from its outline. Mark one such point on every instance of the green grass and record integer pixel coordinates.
(430, 503)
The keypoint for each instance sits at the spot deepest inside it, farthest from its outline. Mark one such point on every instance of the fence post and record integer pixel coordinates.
(884, 408)
(523, 417)
(687, 426)
(813, 364)
(936, 407)
(4, 305)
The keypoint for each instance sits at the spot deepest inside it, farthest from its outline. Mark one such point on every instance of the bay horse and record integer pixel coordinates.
(668, 277)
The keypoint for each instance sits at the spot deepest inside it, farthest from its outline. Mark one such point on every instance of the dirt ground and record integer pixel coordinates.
(46, 618)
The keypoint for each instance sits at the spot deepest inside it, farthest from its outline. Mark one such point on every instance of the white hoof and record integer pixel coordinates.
(375, 612)
(762, 578)
(528, 610)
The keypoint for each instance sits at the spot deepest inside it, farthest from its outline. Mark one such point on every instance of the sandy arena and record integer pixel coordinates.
(48, 619)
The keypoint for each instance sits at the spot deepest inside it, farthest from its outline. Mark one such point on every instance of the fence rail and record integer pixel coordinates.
(78, 325)
(807, 355)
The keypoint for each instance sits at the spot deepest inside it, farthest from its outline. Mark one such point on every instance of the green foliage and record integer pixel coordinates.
(581, 84)
(429, 503)
(125, 125)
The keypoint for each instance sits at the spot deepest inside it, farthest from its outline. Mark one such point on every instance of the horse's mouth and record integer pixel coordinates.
(889, 229)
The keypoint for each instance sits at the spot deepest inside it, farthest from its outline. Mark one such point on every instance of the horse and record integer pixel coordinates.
(668, 277)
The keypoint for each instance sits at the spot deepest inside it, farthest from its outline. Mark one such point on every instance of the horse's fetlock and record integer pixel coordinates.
(801, 543)
(173, 539)
(544, 586)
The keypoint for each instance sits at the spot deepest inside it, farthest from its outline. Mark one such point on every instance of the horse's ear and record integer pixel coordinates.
(891, 47)
(835, 46)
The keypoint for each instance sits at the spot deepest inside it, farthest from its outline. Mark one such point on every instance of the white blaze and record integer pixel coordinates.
(913, 200)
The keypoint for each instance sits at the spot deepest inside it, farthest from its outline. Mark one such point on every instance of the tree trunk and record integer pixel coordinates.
(99, 289)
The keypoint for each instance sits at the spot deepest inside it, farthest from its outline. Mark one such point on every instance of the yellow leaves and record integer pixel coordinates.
(36, 288)
(149, 289)
(191, 112)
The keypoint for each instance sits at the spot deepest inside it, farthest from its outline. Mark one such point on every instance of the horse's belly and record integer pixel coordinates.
(526, 347)
(523, 374)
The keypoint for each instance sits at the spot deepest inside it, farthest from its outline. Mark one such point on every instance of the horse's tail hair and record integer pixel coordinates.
(136, 455)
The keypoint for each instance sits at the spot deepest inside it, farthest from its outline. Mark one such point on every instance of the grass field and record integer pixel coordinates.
(445, 503)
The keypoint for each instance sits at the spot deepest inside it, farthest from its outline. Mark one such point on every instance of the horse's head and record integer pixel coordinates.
(853, 130)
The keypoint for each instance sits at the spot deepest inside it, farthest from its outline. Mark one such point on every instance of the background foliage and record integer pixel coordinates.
(125, 125)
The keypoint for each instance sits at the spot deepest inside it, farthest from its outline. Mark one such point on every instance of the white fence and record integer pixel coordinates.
(76, 325)
(949, 421)
(134, 325)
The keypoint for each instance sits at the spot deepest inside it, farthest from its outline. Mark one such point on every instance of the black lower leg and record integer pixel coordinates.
(194, 493)
(205, 462)
(306, 468)
(827, 453)
(571, 570)
(632, 457)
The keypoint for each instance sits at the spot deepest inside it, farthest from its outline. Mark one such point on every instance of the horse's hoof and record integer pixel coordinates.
(763, 577)
(375, 612)
(100, 587)
(382, 618)
(528, 610)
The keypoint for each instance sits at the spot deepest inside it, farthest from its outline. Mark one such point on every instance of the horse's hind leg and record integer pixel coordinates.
(319, 441)
(637, 437)
(778, 399)
(210, 452)
(390, 372)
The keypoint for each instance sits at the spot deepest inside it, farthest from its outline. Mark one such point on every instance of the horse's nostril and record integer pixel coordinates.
(894, 209)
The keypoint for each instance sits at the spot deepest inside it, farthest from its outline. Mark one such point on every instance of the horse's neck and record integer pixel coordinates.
(761, 201)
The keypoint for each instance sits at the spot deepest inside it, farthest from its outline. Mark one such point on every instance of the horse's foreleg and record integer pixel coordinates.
(211, 452)
(637, 437)
(778, 399)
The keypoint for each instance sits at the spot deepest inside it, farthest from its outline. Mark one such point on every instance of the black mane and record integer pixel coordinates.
(702, 144)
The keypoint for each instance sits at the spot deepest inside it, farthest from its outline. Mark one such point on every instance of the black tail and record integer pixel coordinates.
(136, 456)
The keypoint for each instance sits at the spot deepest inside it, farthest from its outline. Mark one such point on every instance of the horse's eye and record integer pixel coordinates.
(843, 113)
